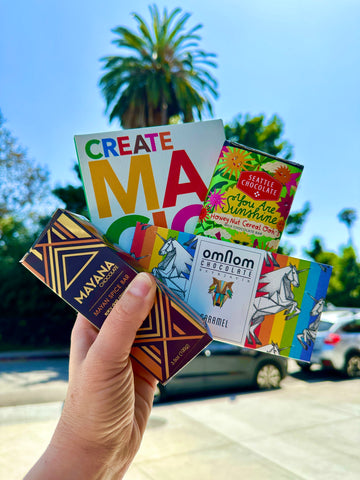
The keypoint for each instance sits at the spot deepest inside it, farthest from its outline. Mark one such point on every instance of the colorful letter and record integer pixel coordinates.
(182, 216)
(180, 159)
(152, 139)
(109, 145)
(123, 145)
(140, 144)
(88, 151)
(122, 224)
(164, 141)
(102, 175)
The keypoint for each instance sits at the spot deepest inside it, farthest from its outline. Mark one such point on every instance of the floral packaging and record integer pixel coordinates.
(249, 197)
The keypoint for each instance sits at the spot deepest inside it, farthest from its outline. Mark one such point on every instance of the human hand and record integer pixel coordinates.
(109, 396)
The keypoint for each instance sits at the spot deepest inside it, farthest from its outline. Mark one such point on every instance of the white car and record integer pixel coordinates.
(337, 343)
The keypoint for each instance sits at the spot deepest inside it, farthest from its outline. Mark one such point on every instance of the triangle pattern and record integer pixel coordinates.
(174, 339)
(170, 336)
(74, 264)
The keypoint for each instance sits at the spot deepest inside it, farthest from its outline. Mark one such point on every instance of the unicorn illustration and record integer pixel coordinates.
(278, 297)
(308, 335)
(273, 348)
(174, 269)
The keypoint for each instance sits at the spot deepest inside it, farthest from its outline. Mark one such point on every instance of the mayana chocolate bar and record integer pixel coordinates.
(249, 197)
(72, 258)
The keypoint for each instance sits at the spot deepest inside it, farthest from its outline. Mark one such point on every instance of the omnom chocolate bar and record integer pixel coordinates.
(72, 258)
(247, 296)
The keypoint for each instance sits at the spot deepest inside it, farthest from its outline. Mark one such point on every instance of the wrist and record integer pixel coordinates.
(71, 458)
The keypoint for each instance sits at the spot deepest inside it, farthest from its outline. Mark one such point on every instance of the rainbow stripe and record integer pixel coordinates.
(281, 329)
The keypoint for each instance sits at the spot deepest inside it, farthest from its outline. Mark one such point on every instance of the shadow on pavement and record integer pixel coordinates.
(208, 395)
(34, 372)
(319, 375)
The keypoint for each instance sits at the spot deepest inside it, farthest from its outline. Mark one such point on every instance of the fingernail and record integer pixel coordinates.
(141, 285)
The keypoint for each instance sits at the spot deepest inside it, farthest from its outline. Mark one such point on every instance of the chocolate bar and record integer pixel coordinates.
(249, 197)
(78, 264)
(247, 296)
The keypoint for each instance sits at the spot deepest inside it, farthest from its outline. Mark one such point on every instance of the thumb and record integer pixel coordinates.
(117, 334)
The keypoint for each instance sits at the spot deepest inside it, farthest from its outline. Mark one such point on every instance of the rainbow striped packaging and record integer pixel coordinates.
(247, 296)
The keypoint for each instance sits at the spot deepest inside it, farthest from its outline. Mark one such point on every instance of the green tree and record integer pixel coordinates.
(349, 217)
(24, 185)
(344, 286)
(296, 220)
(31, 315)
(266, 136)
(165, 74)
(258, 133)
(73, 196)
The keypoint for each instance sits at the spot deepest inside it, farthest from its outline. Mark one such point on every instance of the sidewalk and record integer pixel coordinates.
(295, 433)
(300, 432)
(307, 430)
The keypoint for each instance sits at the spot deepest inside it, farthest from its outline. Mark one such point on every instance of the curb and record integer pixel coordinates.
(33, 355)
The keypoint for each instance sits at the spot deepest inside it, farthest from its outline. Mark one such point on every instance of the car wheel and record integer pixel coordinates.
(352, 367)
(268, 376)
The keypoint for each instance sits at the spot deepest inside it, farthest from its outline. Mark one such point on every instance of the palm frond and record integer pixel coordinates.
(166, 74)
(128, 39)
(178, 27)
(143, 28)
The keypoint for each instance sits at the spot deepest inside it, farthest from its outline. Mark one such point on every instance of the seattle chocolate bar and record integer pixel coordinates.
(249, 197)
(72, 258)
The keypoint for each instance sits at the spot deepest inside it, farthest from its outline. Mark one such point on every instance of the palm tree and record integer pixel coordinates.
(348, 216)
(165, 75)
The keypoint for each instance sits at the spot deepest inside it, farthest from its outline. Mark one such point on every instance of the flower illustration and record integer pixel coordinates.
(293, 181)
(280, 225)
(216, 199)
(204, 214)
(284, 205)
(234, 161)
(282, 174)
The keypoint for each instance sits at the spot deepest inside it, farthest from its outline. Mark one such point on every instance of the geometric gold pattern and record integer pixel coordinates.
(73, 259)
(87, 257)
(165, 335)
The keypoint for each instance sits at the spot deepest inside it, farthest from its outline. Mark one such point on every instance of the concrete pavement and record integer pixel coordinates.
(309, 429)
(303, 431)
(35, 380)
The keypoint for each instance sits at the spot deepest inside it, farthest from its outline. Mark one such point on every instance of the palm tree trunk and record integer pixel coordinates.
(164, 111)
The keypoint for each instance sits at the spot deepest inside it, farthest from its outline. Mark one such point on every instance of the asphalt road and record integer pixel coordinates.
(308, 429)
(33, 381)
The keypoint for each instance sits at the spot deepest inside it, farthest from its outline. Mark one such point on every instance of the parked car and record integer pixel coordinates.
(221, 367)
(337, 344)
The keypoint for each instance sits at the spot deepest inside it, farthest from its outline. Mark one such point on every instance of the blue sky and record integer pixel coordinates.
(299, 59)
